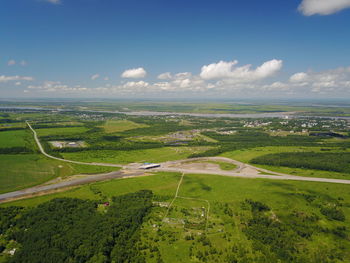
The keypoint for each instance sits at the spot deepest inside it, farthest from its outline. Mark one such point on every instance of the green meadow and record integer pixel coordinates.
(16, 138)
(125, 157)
(111, 126)
(61, 131)
(296, 211)
(22, 171)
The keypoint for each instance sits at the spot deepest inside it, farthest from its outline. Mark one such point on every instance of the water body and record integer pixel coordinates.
(203, 115)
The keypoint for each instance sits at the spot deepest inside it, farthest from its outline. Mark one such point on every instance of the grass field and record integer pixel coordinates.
(185, 228)
(61, 131)
(124, 157)
(16, 138)
(22, 171)
(112, 126)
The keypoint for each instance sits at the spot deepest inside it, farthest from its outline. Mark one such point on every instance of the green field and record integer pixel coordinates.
(15, 138)
(291, 204)
(112, 126)
(61, 131)
(22, 171)
(125, 157)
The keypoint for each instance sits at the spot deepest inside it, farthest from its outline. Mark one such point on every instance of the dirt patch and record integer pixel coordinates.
(198, 166)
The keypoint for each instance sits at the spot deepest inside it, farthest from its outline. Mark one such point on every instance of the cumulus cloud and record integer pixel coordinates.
(11, 62)
(135, 73)
(298, 77)
(228, 70)
(95, 76)
(166, 75)
(4, 78)
(322, 7)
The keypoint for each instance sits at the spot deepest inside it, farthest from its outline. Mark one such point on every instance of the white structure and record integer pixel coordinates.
(149, 165)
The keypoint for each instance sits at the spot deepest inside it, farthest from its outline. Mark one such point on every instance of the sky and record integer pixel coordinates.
(175, 49)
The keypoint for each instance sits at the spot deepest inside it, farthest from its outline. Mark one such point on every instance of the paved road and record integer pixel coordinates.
(250, 175)
(74, 182)
(170, 166)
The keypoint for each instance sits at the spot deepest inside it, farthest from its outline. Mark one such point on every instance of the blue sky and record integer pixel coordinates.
(81, 48)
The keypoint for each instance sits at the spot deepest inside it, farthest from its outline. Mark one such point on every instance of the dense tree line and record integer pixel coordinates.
(337, 162)
(12, 129)
(245, 139)
(73, 230)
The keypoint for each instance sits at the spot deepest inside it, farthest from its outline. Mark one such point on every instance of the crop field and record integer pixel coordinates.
(16, 138)
(296, 213)
(112, 126)
(125, 157)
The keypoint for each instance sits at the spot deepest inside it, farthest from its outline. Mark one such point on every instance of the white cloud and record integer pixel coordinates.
(4, 78)
(227, 70)
(166, 75)
(135, 73)
(136, 84)
(298, 77)
(11, 62)
(222, 69)
(95, 76)
(322, 7)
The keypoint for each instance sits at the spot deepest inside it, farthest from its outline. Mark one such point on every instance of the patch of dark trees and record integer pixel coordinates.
(73, 230)
(337, 162)
(328, 134)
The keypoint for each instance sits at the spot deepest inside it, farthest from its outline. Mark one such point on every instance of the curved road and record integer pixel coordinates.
(65, 160)
(170, 166)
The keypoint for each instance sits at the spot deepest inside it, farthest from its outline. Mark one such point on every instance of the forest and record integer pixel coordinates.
(75, 230)
(336, 162)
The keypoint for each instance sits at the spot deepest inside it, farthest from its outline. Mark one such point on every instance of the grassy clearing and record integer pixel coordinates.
(16, 138)
(224, 165)
(61, 131)
(124, 157)
(22, 171)
(112, 126)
